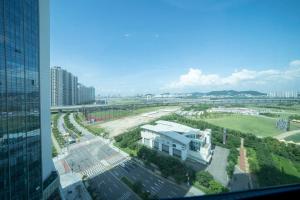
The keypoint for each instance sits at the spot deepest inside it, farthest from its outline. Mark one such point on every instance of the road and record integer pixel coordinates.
(107, 186)
(86, 135)
(156, 185)
(119, 126)
(60, 124)
(286, 134)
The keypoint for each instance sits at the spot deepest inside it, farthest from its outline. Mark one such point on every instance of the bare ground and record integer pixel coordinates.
(119, 126)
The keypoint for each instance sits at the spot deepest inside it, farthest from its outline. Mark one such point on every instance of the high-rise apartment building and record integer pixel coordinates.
(56, 86)
(26, 167)
(63, 87)
(85, 94)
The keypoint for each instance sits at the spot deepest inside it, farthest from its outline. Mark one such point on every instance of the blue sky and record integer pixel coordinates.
(141, 46)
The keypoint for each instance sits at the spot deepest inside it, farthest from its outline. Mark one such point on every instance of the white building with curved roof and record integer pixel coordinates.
(178, 140)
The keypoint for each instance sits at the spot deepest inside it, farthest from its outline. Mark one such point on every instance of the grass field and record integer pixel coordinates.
(294, 138)
(260, 126)
(283, 111)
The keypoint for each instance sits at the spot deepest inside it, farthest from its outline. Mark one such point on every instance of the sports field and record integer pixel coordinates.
(258, 125)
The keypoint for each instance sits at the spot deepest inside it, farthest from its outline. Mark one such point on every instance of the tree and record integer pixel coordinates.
(215, 187)
(203, 177)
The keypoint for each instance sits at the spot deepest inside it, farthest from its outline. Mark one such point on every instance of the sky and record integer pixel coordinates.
(133, 47)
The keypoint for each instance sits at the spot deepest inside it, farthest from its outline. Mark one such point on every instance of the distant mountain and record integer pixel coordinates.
(235, 93)
(230, 93)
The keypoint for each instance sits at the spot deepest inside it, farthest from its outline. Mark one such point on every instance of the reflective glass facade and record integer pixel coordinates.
(20, 135)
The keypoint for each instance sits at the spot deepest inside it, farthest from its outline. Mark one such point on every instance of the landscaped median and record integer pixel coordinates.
(70, 126)
(57, 134)
(169, 167)
(98, 131)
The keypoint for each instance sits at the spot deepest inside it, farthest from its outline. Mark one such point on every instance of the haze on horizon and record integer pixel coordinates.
(139, 46)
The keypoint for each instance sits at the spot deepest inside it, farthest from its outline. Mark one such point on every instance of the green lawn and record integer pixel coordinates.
(260, 126)
(294, 138)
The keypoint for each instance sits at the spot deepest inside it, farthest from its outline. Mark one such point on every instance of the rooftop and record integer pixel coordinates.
(166, 131)
(179, 128)
(172, 130)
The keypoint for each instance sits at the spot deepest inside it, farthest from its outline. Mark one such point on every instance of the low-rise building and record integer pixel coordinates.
(242, 111)
(178, 140)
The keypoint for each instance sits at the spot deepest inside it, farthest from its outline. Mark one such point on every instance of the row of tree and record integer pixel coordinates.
(70, 126)
(57, 134)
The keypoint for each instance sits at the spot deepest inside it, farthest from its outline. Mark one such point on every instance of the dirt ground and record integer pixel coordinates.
(119, 126)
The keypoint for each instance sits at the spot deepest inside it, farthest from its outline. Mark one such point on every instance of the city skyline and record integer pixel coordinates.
(183, 47)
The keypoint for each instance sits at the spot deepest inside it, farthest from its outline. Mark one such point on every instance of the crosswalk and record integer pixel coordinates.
(115, 159)
(100, 167)
(94, 170)
(125, 196)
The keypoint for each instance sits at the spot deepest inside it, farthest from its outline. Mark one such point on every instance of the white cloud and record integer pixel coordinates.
(127, 35)
(196, 78)
(295, 63)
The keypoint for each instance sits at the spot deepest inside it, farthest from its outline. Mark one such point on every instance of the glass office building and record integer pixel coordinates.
(21, 119)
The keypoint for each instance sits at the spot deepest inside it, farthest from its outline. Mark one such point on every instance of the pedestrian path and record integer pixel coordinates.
(242, 164)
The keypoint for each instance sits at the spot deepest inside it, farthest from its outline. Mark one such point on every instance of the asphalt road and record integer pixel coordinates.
(86, 135)
(108, 187)
(60, 124)
(87, 154)
(156, 185)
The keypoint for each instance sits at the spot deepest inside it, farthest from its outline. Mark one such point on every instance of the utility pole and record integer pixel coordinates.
(224, 135)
